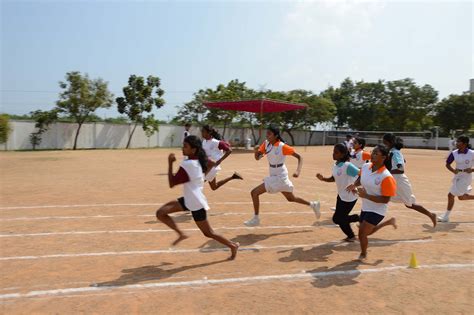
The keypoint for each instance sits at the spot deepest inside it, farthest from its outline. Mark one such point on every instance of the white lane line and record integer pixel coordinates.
(156, 230)
(250, 279)
(143, 215)
(270, 227)
(129, 205)
(221, 249)
(100, 216)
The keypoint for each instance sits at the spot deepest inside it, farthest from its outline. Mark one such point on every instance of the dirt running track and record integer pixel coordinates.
(78, 235)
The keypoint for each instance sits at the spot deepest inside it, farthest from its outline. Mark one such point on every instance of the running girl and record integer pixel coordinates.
(276, 151)
(344, 173)
(378, 185)
(396, 163)
(191, 175)
(358, 156)
(214, 147)
(461, 186)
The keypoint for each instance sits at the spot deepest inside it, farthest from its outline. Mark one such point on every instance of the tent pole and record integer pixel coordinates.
(261, 119)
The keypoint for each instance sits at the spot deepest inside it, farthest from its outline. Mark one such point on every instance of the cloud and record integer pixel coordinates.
(330, 21)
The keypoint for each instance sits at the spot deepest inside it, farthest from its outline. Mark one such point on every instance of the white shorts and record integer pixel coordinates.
(211, 175)
(461, 184)
(275, 184)
(404, 192)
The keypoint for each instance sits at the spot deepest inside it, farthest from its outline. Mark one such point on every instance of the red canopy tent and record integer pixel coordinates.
(256, 106)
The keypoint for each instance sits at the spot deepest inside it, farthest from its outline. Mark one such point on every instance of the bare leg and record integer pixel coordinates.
(365, 229)
(423, 210)
(392, 222)
(216, 184)
(450, 201)
(207, 230)
(466, 197)
(292, 198)
(256, 192)
(162, 214)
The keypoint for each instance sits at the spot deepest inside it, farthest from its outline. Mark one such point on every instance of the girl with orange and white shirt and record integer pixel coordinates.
(378, 186)
(358, 156)
(276, 151)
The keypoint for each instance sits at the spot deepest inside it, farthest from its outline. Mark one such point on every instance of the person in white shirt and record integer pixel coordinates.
(462, 180)
(344, 173)
(191, 175)
(358, 156)
(217, 150)
(276, 151)
(186, 132)
(378, 186)
(349, 142)
(396, 166)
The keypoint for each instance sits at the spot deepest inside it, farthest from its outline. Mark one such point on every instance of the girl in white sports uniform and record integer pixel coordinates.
(191, 175)
(396, 165)
(344, 173)
(378, 187)
(276, 151)
(462, 181)
(358, 156)
(214, 148)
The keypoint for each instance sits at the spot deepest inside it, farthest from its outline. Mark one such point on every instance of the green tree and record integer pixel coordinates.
(82, 97)
(456, 112)
(196, 111)
(318, 110)
(4, 128)
(43, 119)
(393, 105)
(139, 101)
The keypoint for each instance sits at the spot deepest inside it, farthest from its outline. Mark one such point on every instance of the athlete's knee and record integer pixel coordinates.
(463, 197)
(290, 198)
(254, 192)
(336, 219)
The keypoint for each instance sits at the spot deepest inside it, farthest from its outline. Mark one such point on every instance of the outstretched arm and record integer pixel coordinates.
(300, 164)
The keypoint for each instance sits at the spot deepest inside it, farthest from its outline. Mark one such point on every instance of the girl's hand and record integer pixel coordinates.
(319, 176)
(171, 158)
(456, 171)
(469, 170)
(362, 192)
(352, 188)
(296, 174)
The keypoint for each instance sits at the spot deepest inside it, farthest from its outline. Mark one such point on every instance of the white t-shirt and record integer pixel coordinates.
(359, 158)
(378, 183)
(194, 198)
(345, 174)
(211, 147)
(276, 155)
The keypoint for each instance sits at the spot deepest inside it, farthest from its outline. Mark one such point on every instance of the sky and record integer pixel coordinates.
(190, 45)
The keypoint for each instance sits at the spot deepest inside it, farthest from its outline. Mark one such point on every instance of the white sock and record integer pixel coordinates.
(448, 212)
(255, 216)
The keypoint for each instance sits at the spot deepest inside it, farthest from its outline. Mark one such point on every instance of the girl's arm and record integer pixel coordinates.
(451, 169)
(300, 164)
(398, 170)
(227, 149)
(180, 177)
(378, 199)
(325, 179)
(353, 187)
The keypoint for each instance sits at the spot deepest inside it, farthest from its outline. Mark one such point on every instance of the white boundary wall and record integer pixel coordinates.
(115, 136)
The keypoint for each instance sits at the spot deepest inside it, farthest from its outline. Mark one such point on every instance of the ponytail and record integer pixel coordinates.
(395, 142)
(213, 132)
(195, 143)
